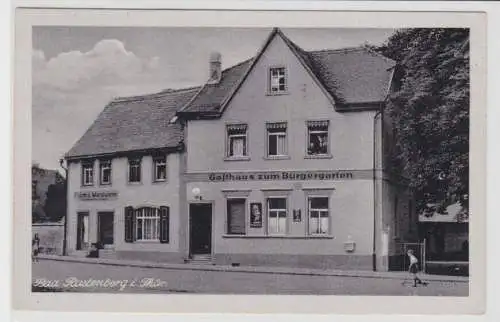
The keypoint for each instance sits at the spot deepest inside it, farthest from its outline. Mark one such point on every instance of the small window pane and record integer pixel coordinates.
(277, 203)
(319, 203)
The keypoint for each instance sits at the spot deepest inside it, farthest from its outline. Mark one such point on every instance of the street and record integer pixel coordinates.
(86, 277)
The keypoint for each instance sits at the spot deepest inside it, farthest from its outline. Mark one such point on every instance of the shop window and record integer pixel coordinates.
(236, 217)
(237, 143)
(134, 170)
(317, 138)
(160, 168)
(105, 172)
(276, 216)
(147, 224)
(87, 173)
(277, 80)
(276, 139)
(318, 216)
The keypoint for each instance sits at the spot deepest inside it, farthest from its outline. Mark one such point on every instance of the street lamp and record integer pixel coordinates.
(65, 168)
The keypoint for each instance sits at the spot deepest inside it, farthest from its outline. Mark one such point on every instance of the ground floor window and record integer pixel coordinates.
(318, 215)
(276, 215)
(236, 217)
(147, 224)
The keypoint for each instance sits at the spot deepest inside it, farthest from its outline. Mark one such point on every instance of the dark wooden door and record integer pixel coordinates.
(106, 229)
(200, 228)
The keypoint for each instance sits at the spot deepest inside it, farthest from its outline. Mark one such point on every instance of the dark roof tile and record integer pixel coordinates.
(135, 123)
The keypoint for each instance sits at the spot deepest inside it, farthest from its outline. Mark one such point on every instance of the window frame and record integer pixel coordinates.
(129, 164)
(102, 168)
(309, 131)
(283, 127)
(87, 165)
(137, 217)
(246, 147)
(245, 215)
(270, 80)
(278, 210)
(159, 160)
(320, 210)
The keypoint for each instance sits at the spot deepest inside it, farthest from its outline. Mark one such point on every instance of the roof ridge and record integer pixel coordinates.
(238, 64)
(121, 99)
(344, 49)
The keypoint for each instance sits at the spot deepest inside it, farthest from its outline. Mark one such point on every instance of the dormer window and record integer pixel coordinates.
(277, 80)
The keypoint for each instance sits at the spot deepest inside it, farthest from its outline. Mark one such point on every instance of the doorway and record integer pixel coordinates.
(82, 231)
(106, 229)
(200, 229)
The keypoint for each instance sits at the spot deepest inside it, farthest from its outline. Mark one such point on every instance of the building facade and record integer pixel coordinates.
(279, 160)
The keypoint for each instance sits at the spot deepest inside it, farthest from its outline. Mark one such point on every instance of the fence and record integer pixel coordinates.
(51, 237)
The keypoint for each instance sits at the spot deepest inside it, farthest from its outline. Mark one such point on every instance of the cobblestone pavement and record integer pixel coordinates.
(84, 277)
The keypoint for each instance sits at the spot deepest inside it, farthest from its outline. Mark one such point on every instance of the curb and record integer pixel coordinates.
(253, 269)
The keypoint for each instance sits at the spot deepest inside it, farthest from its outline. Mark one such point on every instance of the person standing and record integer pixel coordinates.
(35, 248)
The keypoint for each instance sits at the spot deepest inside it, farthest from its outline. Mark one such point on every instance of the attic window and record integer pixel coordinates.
(277, 80)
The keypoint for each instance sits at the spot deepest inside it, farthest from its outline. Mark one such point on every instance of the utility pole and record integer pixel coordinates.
(61, 163)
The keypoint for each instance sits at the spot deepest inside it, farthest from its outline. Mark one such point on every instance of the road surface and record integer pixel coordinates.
(88, 277)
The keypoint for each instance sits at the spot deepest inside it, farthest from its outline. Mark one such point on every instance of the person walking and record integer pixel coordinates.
(413, 268)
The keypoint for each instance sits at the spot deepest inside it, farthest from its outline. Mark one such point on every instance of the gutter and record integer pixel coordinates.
(374, 254)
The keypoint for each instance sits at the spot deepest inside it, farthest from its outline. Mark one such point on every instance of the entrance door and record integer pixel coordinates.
(105, 228)
(200, 229)
(82, 231)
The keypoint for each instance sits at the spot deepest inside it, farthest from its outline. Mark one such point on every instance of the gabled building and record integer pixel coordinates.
(278, 160)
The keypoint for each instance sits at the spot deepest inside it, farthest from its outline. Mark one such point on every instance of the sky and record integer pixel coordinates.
(76, 71)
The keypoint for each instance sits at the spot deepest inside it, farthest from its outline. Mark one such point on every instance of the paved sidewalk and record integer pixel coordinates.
(253, 269)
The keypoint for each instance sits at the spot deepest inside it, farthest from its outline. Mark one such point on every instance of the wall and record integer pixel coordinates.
(51, 237)
(146, 193)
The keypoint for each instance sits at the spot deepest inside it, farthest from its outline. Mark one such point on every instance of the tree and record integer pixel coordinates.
(429, 109)
(55, 204)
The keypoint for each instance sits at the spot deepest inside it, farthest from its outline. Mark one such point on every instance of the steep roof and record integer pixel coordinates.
(352, 76)
(135, 123)
(348, 76)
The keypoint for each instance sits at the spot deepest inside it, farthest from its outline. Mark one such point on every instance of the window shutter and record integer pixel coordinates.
(236, 216)
(164, 224)
(129, 225)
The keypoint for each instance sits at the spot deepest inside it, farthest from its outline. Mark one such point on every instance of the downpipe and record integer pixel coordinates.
(374, 251)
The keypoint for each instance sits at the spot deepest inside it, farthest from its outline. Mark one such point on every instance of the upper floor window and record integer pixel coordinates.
(276, 139)
(237, 143)
(276, 215)
(317, 138)
(87, 173)
(160, 168)
(277, 80)
(318, 216)
(134, 170)
(105, 172)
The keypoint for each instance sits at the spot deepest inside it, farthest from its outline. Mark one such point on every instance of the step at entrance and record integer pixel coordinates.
(200, 259)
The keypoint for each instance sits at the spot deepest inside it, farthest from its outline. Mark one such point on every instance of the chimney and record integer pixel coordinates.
(215, 72)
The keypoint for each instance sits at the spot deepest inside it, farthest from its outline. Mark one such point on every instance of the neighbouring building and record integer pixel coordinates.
(41, 180)
(278, 160)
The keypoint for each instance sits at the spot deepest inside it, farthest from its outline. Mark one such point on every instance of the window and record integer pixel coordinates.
(317, 138)
(134, 170)
(160, 168)
(87, 173)
(236, 216)
(148, 223)
(277, 80)
(105, 172)
(34, 195)
(318, 216)
(276, 139)
(237, 141)
(276, 216)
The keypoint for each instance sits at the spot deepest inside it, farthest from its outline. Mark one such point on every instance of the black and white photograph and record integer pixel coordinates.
(267, 160)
